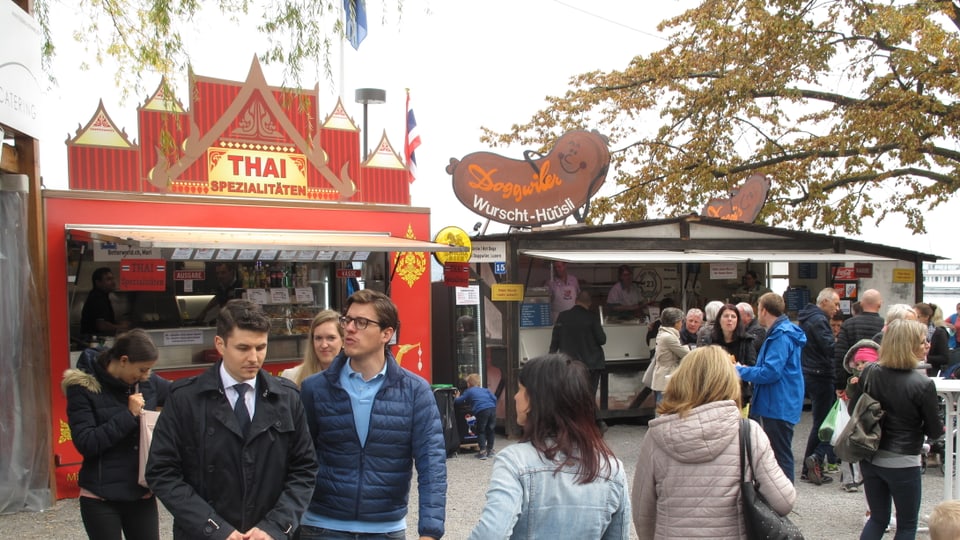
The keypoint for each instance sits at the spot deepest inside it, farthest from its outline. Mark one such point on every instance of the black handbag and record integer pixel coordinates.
(762, 522)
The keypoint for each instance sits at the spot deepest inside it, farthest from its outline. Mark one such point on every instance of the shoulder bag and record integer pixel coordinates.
(860, 439)
(761, 521)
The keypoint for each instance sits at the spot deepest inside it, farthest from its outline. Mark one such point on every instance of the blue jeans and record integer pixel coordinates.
(486, 427)
(315, 533)
(822, 397)
(880, 484)
(780, 433)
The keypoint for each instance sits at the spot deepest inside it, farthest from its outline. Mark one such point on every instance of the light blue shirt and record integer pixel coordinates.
(362, 394)
(528, 494)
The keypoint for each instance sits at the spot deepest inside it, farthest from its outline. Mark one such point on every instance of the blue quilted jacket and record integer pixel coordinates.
(372, 482)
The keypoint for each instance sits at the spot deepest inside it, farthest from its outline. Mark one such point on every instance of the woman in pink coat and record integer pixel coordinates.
(687, 483)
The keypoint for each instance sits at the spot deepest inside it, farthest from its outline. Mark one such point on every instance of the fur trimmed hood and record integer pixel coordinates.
(85, 374)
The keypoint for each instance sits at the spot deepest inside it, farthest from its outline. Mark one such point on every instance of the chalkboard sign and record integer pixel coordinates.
(796, 298)
(534, 315)
(807, 270)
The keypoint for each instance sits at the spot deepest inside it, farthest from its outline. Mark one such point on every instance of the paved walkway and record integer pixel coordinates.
(822, 512)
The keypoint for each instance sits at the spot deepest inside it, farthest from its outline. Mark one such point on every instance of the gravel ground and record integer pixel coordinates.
(822, 512)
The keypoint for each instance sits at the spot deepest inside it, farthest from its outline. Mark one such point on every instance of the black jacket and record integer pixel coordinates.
(818, 354)
(910, 407)
(863, 326)
(758, 332)
(103, 430)
(579, 334)
(212, 479)
(939, 355)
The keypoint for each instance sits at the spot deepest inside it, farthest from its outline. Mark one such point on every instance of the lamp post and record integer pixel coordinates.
(368, 96)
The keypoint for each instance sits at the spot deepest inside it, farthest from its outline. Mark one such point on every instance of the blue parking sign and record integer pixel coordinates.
(500, 268)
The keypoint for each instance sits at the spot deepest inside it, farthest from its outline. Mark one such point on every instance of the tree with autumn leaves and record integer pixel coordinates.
(849, 106)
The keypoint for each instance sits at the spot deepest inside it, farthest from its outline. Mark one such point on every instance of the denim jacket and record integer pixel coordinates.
(527, 500)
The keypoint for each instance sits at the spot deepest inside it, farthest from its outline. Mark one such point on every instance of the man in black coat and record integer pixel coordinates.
(232, 456)
(579, 334)
(818, 379)
(862, 326)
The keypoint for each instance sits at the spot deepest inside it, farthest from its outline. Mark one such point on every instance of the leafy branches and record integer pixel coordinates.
(851, 107)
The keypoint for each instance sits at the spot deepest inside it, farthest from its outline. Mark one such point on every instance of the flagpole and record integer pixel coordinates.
(343, 38)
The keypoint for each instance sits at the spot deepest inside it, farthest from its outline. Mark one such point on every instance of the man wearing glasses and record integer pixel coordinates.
(371, 421)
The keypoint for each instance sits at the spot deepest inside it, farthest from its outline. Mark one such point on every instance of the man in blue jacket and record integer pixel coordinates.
(777, 379)
(371, 421)
(818, 379)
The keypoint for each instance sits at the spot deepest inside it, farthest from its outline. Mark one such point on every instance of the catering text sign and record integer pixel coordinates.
(537, 189)
(20, 72)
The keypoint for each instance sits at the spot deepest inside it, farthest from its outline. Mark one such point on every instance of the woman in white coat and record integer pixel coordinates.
(669, 351)
(688, 475)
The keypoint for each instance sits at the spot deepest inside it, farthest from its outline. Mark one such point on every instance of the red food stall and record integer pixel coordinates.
(245, 176)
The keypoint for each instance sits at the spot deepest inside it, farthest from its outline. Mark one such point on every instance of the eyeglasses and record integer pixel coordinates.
(361, 322)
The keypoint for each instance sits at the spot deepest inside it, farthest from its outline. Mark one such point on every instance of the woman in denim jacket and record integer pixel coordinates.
(561, 480)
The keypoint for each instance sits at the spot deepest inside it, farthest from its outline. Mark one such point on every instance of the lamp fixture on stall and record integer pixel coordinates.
(367, 96)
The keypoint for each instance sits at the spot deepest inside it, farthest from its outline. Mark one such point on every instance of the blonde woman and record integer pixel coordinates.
(911, 410)
(326, 342)
(691, 455)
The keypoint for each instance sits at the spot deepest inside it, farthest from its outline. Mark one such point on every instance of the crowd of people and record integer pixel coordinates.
(327, 450)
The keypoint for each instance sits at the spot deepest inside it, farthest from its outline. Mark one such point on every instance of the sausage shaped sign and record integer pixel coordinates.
(537, 189)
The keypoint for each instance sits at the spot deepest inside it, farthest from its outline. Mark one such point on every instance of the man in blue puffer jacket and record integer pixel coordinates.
(371, 420)
(777, 379)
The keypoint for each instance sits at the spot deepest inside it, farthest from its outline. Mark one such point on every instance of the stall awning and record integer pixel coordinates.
(626, 257)
(245, 239)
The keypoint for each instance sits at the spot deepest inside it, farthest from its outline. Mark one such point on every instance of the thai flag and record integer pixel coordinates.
(355, 21)
(411, 141)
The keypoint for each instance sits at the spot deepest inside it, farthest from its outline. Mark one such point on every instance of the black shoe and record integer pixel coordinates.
(814, 473)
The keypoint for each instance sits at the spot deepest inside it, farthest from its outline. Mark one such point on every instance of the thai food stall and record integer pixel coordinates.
(245, 179)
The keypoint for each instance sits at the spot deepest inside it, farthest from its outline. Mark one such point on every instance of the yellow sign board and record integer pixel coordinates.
(452, 236)
(256, 173)
(506, 292)
(904, 275)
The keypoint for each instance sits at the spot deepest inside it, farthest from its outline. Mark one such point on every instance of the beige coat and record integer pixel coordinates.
(668, 356)
(687, 483)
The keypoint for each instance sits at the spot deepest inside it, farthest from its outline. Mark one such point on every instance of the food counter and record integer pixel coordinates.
(626, 353)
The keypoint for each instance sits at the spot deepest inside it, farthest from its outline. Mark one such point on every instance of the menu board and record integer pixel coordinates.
(534, 315)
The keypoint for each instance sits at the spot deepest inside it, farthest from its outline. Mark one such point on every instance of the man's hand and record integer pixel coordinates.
(235, 535)
(256, 534)
(842, 394)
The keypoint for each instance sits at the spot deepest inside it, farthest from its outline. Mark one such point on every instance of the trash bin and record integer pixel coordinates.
(443, 393)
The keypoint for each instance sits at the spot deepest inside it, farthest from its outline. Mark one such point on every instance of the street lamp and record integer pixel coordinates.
(368, 96)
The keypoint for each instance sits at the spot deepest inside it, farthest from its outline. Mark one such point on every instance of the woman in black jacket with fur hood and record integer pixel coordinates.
(106, 394)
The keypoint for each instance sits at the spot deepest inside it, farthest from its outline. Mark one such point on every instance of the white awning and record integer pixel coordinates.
(240, 239)
(631, 256)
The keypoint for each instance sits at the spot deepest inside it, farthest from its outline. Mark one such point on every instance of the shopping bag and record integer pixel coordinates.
(148, 420)
(829, 425)
(843, 417)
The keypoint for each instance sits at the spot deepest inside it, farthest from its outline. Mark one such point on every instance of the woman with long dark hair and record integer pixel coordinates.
(106, 394)
(911, 410)
(729, 333)
(561, 480)
(687, 483)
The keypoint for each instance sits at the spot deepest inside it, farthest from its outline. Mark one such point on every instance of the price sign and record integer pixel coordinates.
(304, 295)
(279, 296)
(258, 296)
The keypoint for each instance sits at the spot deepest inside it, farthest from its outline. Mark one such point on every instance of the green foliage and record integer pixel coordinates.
(146, 37)
(850, 107)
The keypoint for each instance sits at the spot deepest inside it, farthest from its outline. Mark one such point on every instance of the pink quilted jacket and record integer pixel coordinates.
(687, 483)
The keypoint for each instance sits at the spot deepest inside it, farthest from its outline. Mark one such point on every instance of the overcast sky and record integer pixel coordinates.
(467, 64)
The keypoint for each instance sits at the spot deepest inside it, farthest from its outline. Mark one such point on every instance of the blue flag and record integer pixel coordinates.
(355, 21)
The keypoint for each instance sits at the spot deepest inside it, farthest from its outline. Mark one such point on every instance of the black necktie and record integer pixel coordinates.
(240, 407)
